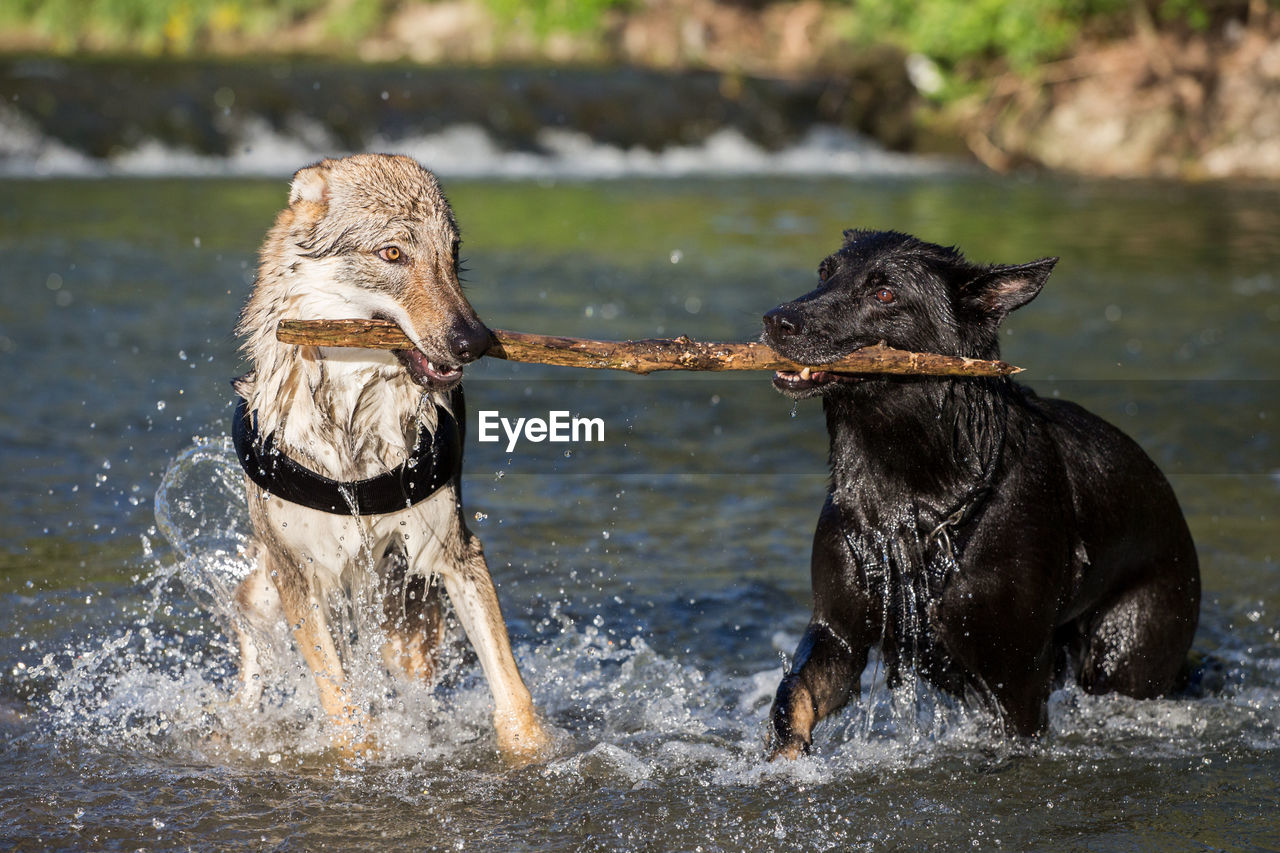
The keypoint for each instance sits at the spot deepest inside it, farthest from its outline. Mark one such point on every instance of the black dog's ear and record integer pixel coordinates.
(1005, 287)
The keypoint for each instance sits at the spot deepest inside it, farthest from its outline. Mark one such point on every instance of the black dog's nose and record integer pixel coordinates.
(783, 322)
(469, 341)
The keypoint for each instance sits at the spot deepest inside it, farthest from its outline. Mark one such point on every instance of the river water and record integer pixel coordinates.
(653, 583)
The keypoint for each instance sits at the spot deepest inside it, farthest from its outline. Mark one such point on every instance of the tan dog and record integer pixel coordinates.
(366, 236)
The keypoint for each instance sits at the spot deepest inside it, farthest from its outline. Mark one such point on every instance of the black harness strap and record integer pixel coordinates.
(436, 459)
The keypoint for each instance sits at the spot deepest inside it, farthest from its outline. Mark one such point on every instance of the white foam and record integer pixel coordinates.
(258, 149)
(25, 152)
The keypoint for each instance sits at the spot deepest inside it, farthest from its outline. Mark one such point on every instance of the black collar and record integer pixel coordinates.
(435, 461)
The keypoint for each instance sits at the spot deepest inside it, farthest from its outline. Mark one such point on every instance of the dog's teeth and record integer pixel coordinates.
(804, 374)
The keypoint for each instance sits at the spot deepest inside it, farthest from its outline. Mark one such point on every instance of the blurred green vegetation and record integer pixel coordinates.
(187, 26)
(159, 26)
(547, 16)
(951, 32)
(967, 39)
(963, 37)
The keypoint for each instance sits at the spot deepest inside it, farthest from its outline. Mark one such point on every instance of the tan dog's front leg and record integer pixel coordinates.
(305, 613)
(413, 622)
(521, 736)
(259, 605)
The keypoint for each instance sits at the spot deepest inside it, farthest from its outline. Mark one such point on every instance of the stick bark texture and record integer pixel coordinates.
(644, 356)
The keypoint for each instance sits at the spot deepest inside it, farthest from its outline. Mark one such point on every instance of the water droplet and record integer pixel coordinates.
(160, 404)
(795, 405)
(480, 516)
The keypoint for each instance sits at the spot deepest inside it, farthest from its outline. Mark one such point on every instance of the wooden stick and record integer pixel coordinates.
(643, 356)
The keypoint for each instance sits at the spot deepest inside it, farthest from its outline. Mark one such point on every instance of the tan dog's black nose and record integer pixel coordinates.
(783, 322)
(469, 341)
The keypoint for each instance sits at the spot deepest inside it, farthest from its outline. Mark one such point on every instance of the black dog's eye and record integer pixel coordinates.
(884, 296)
(391, 254)
(824, 273)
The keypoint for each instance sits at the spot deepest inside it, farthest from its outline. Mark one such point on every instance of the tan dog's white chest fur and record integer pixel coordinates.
(367, 236)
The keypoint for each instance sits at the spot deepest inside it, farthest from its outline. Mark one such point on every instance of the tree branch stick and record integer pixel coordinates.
(645, 356)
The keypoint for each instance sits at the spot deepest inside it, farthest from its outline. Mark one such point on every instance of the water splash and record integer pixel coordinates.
(200, 505)
(633, 718)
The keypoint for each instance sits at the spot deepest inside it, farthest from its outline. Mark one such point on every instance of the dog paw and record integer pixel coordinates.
(351, 739)
(790, 748)
(365, 748)
(355, 745)
(522, 739)
(248, 697)
(790, 751)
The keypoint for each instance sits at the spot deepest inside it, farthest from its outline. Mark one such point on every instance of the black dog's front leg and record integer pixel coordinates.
(823, 677)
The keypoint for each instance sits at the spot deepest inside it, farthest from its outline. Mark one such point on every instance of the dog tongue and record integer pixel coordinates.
(417, 365)
(415, 361)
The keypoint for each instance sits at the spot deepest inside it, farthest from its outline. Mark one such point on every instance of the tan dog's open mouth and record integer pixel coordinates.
(426, 373)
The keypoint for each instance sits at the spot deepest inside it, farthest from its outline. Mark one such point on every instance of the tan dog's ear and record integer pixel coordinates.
(310, 184)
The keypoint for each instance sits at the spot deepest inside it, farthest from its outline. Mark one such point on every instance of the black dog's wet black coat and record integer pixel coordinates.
(976, 533)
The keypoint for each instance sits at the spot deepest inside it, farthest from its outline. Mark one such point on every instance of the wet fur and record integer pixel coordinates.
(1066, 551)
(353, 414)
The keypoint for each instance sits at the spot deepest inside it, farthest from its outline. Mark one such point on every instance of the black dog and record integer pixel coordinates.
(987, 538)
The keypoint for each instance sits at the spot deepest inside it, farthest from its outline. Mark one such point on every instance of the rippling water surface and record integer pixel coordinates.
(652, 583)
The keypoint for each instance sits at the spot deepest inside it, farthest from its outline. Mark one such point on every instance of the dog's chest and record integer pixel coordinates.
(356, 430)
(902, 573)
(340, 549)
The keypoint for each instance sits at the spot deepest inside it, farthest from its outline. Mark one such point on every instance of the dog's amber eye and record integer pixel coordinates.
(884, 295)
(391, 254)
